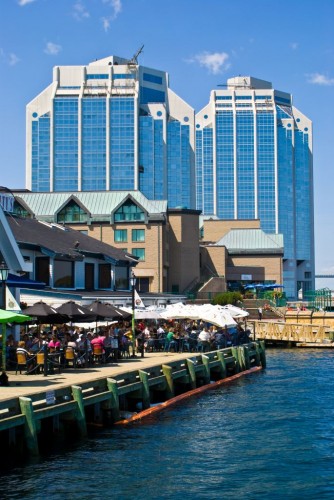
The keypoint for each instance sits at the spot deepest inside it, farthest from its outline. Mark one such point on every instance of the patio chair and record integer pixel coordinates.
(98, 353)
(70, 357)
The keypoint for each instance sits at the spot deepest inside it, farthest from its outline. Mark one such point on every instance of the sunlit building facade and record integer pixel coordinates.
(254, 161)
(111, 125)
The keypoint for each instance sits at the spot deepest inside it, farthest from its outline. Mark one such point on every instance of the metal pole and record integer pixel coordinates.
(133, 320)
(4, 329)
(45, 350)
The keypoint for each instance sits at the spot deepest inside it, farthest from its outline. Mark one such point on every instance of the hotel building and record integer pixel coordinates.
(109, 126)
(254, 161)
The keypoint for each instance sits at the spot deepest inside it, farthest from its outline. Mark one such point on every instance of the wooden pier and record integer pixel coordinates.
(34, 408)
(294, 334)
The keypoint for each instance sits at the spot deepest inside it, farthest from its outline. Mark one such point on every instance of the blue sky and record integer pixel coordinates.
(200, 43)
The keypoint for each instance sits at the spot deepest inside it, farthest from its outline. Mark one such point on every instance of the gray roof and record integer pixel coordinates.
(59, 241)
(97, 203)
(251, 241)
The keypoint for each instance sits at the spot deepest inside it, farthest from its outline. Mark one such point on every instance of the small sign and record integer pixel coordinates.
(247, 277)
(50, 398)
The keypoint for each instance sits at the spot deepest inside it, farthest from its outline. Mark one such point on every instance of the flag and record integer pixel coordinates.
(138, 302)
(11, 304)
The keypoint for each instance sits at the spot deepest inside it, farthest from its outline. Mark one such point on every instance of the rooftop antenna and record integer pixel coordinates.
(134, 60)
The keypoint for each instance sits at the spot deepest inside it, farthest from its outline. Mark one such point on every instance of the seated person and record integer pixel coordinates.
(54, 344)
(205, 338)
(30, 359)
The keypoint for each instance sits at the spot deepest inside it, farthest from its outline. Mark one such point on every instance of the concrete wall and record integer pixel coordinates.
(261, 267)
(183, 249)
(214, 230)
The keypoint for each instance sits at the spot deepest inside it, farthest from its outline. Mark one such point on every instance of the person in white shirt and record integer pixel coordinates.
(204, 339)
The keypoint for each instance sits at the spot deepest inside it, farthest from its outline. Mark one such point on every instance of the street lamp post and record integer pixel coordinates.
(133, 287)
(3, 278)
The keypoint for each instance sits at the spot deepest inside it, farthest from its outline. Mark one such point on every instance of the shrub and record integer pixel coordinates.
(225, 298)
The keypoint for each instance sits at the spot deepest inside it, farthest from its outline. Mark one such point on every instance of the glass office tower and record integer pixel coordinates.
(254, 161)
(111, 125)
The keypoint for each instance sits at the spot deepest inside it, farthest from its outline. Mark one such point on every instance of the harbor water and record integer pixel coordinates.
(268, 435)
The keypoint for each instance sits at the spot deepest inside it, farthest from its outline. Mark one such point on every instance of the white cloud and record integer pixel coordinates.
(52, 49)
(116, 5)
(319, 79)
(294, 45)
(215, 62)
(80, 12)
(106, 23)
(22, 3)
(13, 59)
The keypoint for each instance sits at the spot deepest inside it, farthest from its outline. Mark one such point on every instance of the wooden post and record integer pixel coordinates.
(80, 413)
(221, 358)
(247, 357)
(242, 358)
(235, 354)
(145, 389)
(192, 373)
(263, 353)
(258, 357)
(168, 372)
(114, 399)
(30, 430)
(206, 363)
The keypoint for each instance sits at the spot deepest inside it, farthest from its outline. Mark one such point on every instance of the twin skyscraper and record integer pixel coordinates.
(116, 125)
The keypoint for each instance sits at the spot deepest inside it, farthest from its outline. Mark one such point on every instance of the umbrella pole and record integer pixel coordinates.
(4, 346)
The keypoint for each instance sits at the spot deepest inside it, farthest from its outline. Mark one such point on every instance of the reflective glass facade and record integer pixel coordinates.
(65, 167)
(94, 129)
(40, 154)
(245, 165)
(266, 185)
(254, 161)
(178, 160)
(225, 164)
(111, 134)
(122, 144)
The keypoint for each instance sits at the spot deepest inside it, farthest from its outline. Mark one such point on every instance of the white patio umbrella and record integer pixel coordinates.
(216, 316)
(180, 311)
(147, 314)
(236, 312)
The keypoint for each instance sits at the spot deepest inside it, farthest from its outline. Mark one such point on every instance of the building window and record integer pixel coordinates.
(152, 78)
(20, 211)
(63, 274)
(42, 272)
(139, 252)
(104, 276)
(143, 285)
(129, 211)
(138, 234)
(99, 76)
(121, 278)
(308, 275)
(72, 213)
(121, 236)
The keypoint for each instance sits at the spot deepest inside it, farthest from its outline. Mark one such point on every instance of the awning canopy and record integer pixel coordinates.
(14, 281)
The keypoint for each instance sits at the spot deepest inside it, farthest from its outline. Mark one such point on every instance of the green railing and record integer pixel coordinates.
(319, 299)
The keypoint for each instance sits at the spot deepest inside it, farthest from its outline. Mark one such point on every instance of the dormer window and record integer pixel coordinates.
(72, 212)
(20, 211)
(129, 211)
